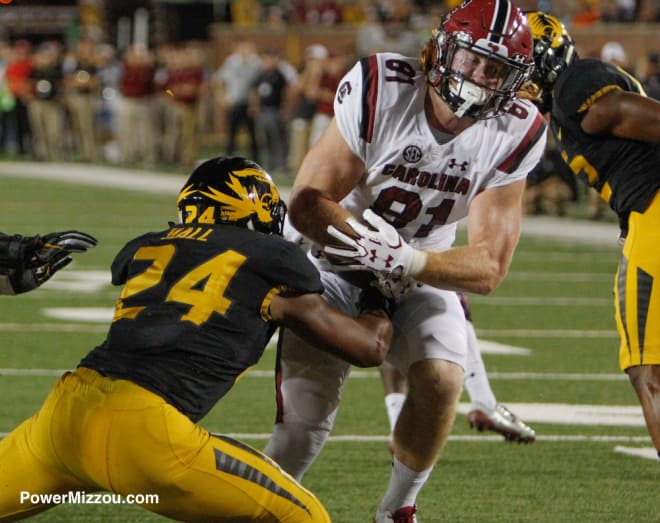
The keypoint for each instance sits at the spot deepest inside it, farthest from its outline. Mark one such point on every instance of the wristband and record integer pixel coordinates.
(417, 263)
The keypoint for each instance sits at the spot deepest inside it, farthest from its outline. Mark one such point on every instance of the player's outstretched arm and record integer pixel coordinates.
(363, 341)
(26, 262)
(328, 173)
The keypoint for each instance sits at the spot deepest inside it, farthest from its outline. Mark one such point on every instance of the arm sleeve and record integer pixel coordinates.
(348, 109)
(289, 270)
(4, 251)
(588, 81)
(11, 252)
(525, 155)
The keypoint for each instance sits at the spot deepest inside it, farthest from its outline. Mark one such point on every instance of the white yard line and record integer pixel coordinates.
(646, 452)
(547, 333)
(543, 301)
(85, 174)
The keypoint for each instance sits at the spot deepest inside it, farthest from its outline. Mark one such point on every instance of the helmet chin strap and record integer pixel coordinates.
(470, 93)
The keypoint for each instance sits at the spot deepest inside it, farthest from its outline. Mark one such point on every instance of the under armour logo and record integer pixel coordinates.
(453, 163)
(374, 257)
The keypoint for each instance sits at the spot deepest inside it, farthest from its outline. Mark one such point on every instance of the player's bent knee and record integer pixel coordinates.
(436, 379)
(309, 403)
(295, 447)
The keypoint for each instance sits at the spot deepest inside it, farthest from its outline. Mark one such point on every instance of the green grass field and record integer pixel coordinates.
(556, 302)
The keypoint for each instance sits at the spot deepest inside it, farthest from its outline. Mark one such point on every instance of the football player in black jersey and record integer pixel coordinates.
(26, 262)
(608, 132)
(199, 303)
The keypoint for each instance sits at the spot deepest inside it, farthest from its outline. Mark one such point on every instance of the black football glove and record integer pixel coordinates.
(72, 241)
(28, 262)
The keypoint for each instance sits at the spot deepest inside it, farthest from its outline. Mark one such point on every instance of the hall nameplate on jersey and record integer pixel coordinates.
(189, 233)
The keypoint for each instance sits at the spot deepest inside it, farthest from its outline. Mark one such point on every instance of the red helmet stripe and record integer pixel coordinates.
(498, 25)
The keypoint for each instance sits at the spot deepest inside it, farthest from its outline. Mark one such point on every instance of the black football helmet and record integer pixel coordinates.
(494, 31)
(554, 50)
(232, 190)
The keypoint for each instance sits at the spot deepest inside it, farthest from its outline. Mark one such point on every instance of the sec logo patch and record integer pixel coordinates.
(412, 154)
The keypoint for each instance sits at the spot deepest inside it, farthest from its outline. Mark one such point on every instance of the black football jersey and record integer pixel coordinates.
(193, 312)
(625, 172)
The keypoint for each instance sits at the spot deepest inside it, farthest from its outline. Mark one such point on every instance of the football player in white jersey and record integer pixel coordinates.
(485, 413)
(415, 146)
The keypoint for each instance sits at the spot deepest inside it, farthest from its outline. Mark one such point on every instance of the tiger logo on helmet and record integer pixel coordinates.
(554, 50)
(234, 191)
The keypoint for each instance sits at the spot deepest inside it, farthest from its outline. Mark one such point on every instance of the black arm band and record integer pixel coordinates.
(11, 252)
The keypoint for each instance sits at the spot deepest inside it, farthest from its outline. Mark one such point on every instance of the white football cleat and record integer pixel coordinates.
(500, 420)
(402, 515)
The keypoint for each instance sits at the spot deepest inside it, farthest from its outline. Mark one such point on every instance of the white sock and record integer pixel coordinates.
(404, 486)
(393, 403)
(476, 380)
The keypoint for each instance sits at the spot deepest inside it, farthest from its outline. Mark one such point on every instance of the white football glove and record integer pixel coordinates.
(380, 249)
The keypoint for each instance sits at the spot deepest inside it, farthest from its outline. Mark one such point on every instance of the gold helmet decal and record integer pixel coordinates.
(545, 25)
(554, 51)
(232, 191)
(186, 192)
(247, 201)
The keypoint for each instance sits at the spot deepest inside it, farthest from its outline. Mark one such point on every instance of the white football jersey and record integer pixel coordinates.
(421, 186)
